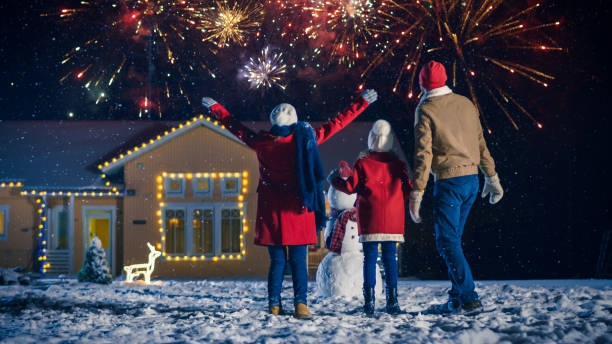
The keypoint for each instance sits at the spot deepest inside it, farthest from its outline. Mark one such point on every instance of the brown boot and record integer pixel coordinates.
(301, 311)
(276, 310)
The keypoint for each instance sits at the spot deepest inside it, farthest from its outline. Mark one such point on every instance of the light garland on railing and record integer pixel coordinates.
(42, 236)
(240, 204)
(190, 123)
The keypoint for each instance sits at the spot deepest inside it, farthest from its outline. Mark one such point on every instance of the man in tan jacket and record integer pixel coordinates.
(449, 142)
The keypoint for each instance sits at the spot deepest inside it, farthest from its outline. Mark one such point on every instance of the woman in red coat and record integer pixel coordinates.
(381, 182)
(290, 188)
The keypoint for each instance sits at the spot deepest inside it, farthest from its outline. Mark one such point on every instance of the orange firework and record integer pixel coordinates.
(478, 39)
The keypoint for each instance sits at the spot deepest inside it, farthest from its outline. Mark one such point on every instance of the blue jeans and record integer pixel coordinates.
(299, 273)
(453, 199)
(370, 255)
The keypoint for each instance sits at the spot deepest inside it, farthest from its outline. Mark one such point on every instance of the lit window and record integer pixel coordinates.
(203, 231)
(4, 219)
(175, 187)
(175, 231)
(230, 186)
(202, 187)
(230, 230)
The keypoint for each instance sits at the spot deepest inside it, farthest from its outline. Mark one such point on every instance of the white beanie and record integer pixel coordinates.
(283, 114)
(380, 138)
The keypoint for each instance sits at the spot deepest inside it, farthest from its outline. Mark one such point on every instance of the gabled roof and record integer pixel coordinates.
(116, 162)
(54, 155)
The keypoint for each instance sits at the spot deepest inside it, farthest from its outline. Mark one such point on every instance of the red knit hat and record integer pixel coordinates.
(432, 75)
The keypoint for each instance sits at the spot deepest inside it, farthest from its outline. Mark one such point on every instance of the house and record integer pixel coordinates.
(188, 188)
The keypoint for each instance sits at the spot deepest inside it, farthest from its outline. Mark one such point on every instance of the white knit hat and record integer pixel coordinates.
(380, 138)
(283, 114)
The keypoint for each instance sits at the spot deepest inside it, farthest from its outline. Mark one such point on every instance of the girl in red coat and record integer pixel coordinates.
(381, 182)
(290, 192)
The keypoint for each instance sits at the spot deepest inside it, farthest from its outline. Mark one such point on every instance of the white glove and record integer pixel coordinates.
(369, 95)
(208, 102)
(415, 199)
(494, 188)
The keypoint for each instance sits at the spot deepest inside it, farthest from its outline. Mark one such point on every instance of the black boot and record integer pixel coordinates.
(369, 302)
(392, 305)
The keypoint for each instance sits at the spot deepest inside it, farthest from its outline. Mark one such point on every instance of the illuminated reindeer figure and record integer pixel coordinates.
(142, 269)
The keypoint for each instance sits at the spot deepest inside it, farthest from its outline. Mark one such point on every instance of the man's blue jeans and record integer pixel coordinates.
(370, 255)
(299, 273)
(453, 199)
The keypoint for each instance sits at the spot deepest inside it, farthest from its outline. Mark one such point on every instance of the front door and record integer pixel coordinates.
(99, 221)
(59, 229)
(59, 243)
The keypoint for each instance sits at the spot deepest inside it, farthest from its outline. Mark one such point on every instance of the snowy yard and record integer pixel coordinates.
(234, 311)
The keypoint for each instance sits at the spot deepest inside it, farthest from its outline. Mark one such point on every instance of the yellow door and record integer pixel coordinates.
(101, 229)
(99, 224)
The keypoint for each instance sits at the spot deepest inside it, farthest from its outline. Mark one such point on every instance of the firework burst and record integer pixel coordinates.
(224, 24)
(340, 32)
(266, 71)
(482, 41)
(153, 45)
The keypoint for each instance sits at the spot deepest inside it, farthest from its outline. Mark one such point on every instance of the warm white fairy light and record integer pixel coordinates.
(239, 203)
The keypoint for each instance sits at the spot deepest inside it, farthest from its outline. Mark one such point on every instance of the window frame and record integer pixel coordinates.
(217, 208)
(211, 187)
(229, 193)
(172, 194)
(6, 210)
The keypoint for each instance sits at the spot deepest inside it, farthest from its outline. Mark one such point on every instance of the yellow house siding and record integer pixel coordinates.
(199, 150)
(21, 229)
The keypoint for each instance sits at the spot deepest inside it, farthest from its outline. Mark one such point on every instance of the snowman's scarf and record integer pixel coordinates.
(336, 236)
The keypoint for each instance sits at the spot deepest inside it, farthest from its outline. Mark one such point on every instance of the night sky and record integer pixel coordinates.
(556, 207)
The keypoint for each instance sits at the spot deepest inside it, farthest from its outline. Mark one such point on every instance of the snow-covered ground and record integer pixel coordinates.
(234, 311)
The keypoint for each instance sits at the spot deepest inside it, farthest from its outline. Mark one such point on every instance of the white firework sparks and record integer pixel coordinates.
(267, 70)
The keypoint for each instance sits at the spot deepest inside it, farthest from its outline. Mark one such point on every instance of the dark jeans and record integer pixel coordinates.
(370, 255)
(299, 273)
(453, 199)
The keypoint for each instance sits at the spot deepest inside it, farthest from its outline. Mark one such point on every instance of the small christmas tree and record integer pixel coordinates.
(95, 269)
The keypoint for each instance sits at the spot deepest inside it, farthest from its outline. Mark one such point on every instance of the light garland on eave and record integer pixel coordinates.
(240, 204)
(114, 192)
(192, 122)
(11, 185)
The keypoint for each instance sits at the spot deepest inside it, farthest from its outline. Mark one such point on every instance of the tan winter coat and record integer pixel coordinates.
(448, 139)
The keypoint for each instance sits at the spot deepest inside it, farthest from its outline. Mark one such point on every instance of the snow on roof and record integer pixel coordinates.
(65, 154)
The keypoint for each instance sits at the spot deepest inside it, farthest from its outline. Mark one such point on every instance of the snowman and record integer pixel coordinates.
(340, 273)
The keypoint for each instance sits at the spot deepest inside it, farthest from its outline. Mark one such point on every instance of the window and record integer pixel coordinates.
(175, 231)
(175, 187)
(202, 187)
(230, 186)
(230, 230)
(4, 219)
(202, 229)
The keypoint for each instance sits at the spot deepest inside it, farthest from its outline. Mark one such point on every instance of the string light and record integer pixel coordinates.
(239, 204)
(190, 124)
(11, 184)
(41, 254)
(106, 193)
